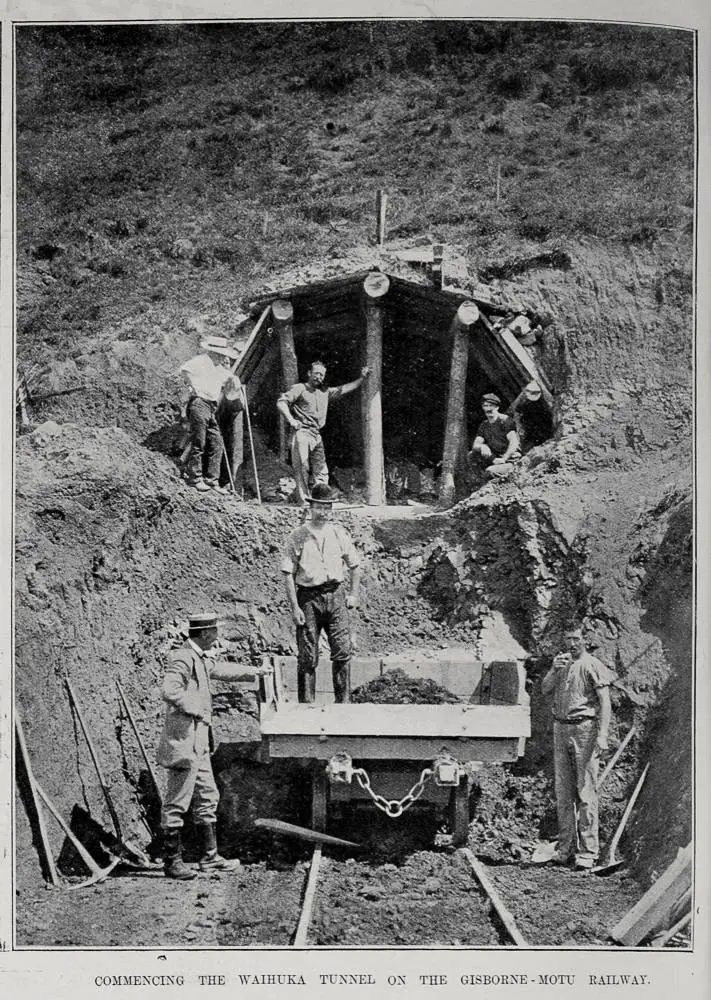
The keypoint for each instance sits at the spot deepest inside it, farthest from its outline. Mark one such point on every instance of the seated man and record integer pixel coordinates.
(496, 445)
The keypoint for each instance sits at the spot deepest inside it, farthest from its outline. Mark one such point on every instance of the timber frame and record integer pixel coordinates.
(364, 313)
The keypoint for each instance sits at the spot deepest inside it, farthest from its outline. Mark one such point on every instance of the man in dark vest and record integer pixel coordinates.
(184, 748)
(496, 445)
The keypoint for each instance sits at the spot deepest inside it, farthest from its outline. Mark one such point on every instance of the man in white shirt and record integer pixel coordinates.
(210, 382)
(313, 568)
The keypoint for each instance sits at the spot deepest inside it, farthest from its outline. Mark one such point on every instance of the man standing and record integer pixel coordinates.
(210, 384)
(184, 747)
(496, 445)
(534, 416)
(580, 685)
(305, 407)
(313, 571)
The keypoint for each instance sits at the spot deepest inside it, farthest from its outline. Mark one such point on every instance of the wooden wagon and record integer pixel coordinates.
(394, 755)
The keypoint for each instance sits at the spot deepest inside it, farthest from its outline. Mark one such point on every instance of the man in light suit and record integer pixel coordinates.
(184, 748)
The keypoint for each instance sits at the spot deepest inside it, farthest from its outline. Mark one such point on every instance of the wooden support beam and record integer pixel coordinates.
(657, 904)
(375, 286)
(283, 315)
(381, 207)
(455, 431)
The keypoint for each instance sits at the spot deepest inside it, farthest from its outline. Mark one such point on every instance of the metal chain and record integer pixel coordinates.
(393, 807)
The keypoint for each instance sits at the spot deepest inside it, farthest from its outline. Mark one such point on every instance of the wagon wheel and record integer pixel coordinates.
(319, 797)
(459, 811)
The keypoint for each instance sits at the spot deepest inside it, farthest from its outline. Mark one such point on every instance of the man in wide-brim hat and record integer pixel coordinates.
(317, 555)
(184, 748)
(211, 384)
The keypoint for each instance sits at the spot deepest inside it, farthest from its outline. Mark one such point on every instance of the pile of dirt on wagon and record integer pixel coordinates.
(395, 687)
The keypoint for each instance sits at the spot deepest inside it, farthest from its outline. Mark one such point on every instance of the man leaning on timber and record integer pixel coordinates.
(213, 389)
(580, 685)
(184, 749)
(305, 407)
(313, 567)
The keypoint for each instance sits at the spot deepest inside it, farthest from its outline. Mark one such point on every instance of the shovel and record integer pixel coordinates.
(610, 862)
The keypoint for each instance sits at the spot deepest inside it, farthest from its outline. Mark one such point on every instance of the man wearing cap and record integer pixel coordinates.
(580, 685)
(305, 407)
(211, 385)
(184, 748)
(313, 568)
(533, 416)
(496, 445)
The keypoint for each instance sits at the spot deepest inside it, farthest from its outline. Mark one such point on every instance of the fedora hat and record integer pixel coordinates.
(219, 345)
(321, 494)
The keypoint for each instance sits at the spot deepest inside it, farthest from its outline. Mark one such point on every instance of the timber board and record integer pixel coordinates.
(413, 748)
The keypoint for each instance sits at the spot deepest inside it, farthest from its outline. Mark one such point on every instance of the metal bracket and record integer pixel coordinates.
(340, 769)
(446, 771)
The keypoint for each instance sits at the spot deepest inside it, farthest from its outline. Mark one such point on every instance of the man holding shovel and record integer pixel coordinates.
(580, 685)
(184, 748)
(212, 386)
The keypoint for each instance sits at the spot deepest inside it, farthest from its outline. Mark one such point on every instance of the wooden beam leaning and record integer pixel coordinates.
(375, 286)
(283, 315)
(467, 315)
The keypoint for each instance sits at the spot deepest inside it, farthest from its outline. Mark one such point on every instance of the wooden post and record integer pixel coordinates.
(283, 314)
(375, 286)
(467, 315)
(381, 206)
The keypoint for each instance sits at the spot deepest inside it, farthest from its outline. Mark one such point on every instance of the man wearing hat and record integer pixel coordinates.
(211, 385)
(304, 407)
(532, 412)
(496, 445)
(184, 748)
(580, 686)
(313, 567)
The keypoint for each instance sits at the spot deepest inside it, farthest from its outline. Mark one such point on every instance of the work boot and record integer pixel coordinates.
(173, 864)
(341, 681)
(210, 860)
(199, 484)
(306, 686)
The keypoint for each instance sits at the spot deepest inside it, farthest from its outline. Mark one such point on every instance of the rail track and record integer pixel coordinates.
(337, 896)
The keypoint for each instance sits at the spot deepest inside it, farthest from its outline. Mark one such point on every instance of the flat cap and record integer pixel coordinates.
(203, 620)
(491, 397)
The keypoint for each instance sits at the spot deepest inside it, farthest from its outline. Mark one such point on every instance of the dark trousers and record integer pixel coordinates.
(324, 608)
(206, 442)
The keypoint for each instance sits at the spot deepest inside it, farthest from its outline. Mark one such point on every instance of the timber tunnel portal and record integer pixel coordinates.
(418, 341)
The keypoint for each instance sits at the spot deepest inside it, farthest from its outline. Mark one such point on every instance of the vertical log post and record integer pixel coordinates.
(467, 315)
(283, 314)
(375, 286)
(381, 207)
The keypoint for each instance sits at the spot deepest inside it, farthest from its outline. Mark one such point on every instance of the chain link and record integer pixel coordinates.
(393, 807)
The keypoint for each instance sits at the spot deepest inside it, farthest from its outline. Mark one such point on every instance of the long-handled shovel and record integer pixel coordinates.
(46, 850)
(98, 874)
(141, 746)
(610, 862)
(251, 444)
(129, 852)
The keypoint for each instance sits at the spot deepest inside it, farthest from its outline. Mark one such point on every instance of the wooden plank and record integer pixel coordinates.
(397, 720)
(305, 917)
(496, 901)
(375, 287)
(315, 290)
(657, 903)
(252, 345)
(413, 748)
(456, 671)
(455, 425)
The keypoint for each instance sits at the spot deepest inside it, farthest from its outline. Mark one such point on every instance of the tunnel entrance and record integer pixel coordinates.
(417, 337)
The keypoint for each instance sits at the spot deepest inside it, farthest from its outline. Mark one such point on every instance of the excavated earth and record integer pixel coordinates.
(112, 551)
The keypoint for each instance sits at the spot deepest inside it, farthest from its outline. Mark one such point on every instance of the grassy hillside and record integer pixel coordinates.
(163, 170)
